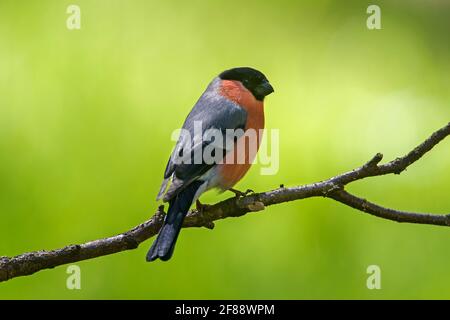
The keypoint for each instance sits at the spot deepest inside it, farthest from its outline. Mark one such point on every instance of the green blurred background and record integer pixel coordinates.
(86, 117)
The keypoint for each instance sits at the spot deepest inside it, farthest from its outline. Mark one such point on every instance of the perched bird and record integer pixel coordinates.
(234, 100)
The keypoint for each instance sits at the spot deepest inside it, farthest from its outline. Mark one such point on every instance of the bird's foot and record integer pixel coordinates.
(240, 194)
(201, 207)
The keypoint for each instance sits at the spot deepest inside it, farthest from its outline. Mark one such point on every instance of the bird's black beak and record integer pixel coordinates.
(264, 89)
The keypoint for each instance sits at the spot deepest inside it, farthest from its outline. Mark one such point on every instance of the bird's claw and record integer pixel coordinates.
(201, 209)
(200, 206)
(240, 194)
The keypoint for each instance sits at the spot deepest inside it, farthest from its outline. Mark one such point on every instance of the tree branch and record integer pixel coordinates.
(333, 188)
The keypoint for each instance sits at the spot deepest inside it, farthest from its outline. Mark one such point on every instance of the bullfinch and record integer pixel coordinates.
(234, 100)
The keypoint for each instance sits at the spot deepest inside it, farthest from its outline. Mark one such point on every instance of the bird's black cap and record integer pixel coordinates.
(255, 81)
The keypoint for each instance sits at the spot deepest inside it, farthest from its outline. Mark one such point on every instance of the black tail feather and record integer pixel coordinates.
(164, 244)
